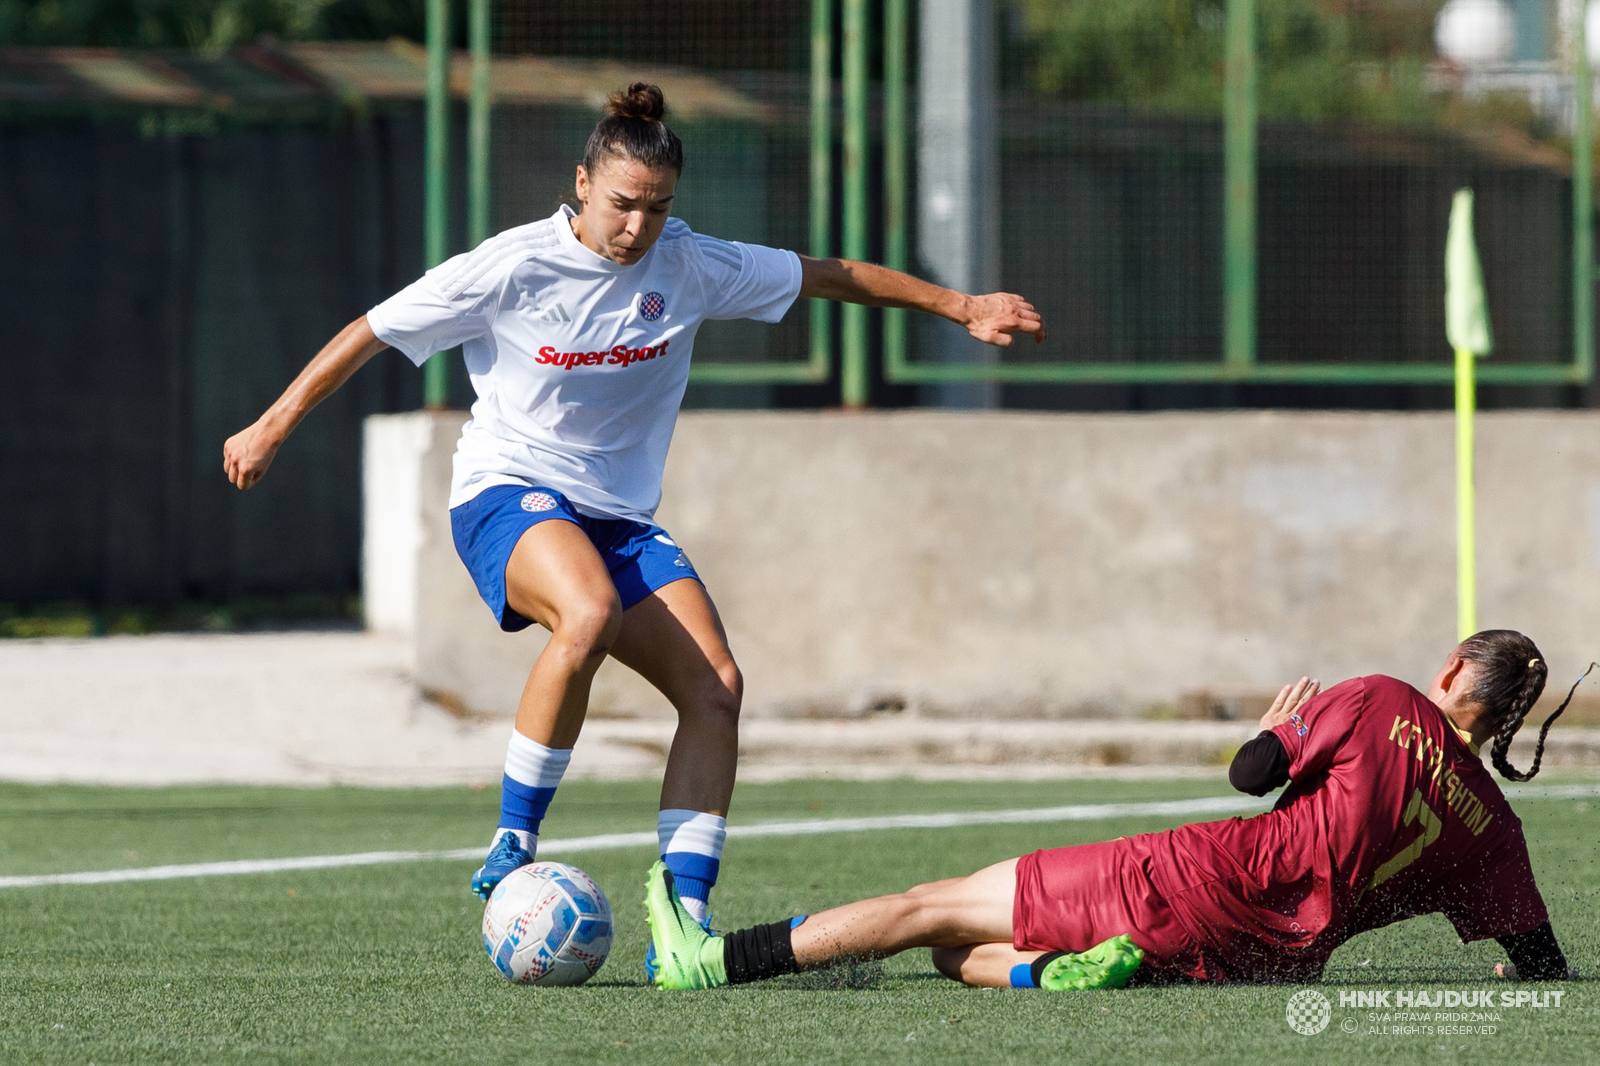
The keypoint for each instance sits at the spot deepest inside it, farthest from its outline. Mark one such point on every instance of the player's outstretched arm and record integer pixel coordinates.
(991, 318)
(247, 454)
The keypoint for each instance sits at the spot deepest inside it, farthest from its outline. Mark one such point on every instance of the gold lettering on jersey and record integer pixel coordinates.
(1420, 744)
(1459, 799)
(1416, 811)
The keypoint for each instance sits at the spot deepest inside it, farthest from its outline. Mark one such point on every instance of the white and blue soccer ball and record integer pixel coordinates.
(547, 923)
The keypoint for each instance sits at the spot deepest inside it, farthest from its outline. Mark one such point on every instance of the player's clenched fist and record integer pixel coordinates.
(247, 454)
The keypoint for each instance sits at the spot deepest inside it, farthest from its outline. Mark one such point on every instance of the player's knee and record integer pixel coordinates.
(936, 913)
(948, 961)
(732, 683)
(919, 914)
(720, 701)
(713, 700)
(588, 629)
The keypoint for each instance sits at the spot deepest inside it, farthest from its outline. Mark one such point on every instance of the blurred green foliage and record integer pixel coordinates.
(1318, 59)
(208, 24)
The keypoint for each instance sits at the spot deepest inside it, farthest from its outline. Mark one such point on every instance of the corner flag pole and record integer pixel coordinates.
(1466, 316)
(1466, 502)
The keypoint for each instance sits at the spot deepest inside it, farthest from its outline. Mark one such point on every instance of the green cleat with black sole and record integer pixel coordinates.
(1109, 964)
(687, 956)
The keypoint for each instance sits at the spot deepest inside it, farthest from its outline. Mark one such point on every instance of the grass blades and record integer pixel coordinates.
(383, 964)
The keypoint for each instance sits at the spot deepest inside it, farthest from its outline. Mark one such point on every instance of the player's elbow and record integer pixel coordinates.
(1246, 783)
(1260, 766)
(826, 279)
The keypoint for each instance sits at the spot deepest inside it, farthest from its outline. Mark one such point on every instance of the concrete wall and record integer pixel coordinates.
(393, 448)
(1041, 565)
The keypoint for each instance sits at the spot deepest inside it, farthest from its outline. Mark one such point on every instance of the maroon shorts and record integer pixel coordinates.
(1070, 899)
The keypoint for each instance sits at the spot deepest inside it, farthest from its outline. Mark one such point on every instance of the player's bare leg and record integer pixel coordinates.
(941, 914)
(966, 920)
(967, 923)
(674, 640)
(955, 912)
(556, 578)
(982, 965)
(951, 913)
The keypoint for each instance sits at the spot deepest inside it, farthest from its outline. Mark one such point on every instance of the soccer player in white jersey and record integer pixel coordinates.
(577, 331)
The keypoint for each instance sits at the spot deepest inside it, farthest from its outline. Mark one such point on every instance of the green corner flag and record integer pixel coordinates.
(1466, 325)
(1466, 308)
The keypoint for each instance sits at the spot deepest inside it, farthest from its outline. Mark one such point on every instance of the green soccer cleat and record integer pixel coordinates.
(686, 955)
(1106, 965)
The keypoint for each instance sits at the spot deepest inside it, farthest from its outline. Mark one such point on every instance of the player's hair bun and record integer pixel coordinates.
(639, 100)
(632, 129)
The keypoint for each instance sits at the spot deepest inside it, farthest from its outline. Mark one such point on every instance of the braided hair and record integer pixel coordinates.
(1509, 680)
(632, 129)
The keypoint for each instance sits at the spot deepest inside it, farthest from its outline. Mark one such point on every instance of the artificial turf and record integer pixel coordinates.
(383, 964)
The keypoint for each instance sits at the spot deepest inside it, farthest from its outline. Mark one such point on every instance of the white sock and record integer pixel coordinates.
(531, 775)
(529, 841)
(691, 846)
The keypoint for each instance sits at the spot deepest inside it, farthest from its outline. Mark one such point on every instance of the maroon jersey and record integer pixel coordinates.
(1389, 814)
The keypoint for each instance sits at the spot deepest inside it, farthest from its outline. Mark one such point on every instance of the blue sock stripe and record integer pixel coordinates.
(692, 888)
(527, 793)
(691, 864)
(795, 923)
(1022, 975)
(522, 806)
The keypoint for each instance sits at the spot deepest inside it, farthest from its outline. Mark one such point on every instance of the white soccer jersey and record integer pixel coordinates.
(579, 363)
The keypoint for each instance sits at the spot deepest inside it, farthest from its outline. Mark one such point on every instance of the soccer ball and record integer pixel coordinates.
(547, 923)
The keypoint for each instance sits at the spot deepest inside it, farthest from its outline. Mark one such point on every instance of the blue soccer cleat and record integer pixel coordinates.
(507, 854)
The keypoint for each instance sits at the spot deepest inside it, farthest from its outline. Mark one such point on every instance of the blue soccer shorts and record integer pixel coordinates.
(639, 556)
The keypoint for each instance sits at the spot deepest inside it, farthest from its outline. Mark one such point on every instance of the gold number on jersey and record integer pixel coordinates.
(1432, 826)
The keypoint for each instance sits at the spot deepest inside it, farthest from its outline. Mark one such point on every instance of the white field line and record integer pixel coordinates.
(608, 841)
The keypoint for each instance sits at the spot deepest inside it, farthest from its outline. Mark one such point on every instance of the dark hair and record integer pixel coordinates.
(1510, 678)
(633, 130)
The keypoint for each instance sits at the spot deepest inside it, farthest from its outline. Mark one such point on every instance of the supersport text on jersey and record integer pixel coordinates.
(579, 363)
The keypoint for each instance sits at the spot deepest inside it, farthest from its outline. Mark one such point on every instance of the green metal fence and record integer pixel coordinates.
(1238, 251)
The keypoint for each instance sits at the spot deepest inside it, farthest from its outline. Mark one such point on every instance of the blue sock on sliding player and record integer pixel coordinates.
(532, 773)
(691, 846)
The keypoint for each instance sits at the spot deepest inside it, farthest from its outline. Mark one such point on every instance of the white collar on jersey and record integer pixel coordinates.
(563, 219)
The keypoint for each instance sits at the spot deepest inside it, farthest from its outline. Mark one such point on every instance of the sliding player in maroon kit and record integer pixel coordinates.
(1389, 814)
